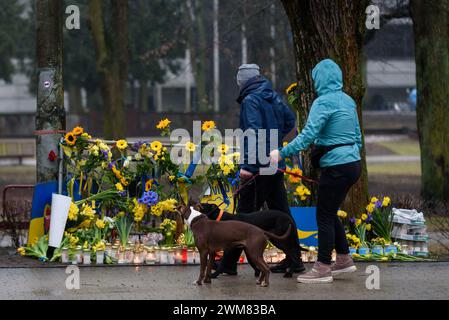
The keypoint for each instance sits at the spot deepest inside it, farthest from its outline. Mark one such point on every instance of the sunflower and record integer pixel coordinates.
(156, 146)
(163, 124)
(208, 125)
(77, 131)
(190, 146)
(70, 139)
(223, 148)
(291, 88)
(122, 144)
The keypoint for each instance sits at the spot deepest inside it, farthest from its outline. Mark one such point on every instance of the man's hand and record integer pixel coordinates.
(275, 157)
(245, 175)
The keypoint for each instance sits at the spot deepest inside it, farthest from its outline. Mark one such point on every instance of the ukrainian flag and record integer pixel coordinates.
(305, 219)
(40, 209)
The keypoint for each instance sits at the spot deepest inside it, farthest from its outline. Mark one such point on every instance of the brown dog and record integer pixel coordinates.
(211, 236)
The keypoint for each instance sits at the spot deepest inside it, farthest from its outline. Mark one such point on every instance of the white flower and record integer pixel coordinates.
(138, 157)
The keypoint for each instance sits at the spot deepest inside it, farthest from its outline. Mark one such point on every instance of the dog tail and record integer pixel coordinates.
(279, 238)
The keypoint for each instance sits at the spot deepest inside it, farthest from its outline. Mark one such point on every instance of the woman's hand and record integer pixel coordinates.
(275, 157)
(245, 175)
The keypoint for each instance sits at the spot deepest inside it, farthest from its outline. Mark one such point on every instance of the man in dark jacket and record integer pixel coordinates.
(261, 108)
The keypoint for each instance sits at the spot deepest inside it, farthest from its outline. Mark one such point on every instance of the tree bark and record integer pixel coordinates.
(111, 46)
(431, 26)
(330, 29)
(50, 114)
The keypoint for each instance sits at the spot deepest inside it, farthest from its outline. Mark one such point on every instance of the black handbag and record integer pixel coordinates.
(319, 151)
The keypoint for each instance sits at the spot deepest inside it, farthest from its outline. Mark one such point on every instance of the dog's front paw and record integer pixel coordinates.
(197, 283)
(264, 284)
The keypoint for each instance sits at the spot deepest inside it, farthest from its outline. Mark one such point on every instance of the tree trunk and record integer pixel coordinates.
(111, 46)
(431, 26)
(50, 114)
(330, 29)
(198, 48)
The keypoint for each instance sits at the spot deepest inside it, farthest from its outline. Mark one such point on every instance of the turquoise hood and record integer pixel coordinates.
(332, 120)
(327, 77)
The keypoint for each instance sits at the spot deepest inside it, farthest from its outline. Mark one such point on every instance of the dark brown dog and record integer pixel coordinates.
(211, 236)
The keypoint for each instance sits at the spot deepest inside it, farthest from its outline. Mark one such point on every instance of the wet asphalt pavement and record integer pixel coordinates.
(397, 281)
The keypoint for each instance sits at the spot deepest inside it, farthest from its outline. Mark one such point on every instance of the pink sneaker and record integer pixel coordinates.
(320, 273)
(343, 264)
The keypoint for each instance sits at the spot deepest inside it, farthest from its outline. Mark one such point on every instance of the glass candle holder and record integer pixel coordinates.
(178, 255)
(86, 256)
(99, 257)
(114, 252)
(190, 256)
(163, 256)
(108, 249)
(171, 256)
(79, 255)
(304, 256)
(65, 255)
(121, 252)
(138, 257)
(129, 255)
(150, 257)
(184, 255)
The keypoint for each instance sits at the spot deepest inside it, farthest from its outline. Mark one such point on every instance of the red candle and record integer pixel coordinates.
(184, 255)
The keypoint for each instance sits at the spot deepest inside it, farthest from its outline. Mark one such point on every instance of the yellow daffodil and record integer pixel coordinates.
(190, 146)
(100, 224)
(374, 200)
(156, 146)
(86, 136)
(73, 212)
(364, 216)
(70, 139)
(294, 179)
(21, 251)
(386, 202)
(358, 222)
(342, 214)
(88, 212)
(226, 170)
(368, 227)
(119, 187)
(163, 124)
(122, 144)
(208, 125)
(370, 208)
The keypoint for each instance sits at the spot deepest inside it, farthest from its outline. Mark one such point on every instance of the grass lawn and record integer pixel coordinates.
(395, 168)
(407, 147)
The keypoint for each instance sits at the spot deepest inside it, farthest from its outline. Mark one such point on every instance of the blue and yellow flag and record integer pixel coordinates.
(305, 219)
(41, 209)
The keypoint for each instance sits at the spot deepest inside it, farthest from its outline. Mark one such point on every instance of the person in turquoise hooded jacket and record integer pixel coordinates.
(332, 123)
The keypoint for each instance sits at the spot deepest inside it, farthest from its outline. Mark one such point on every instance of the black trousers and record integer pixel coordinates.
(334, 185)
(264, 189)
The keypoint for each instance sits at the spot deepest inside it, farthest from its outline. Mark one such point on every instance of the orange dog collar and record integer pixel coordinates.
(220, 215)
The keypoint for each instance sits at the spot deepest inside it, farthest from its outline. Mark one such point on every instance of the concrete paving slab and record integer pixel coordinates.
(403, 281)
